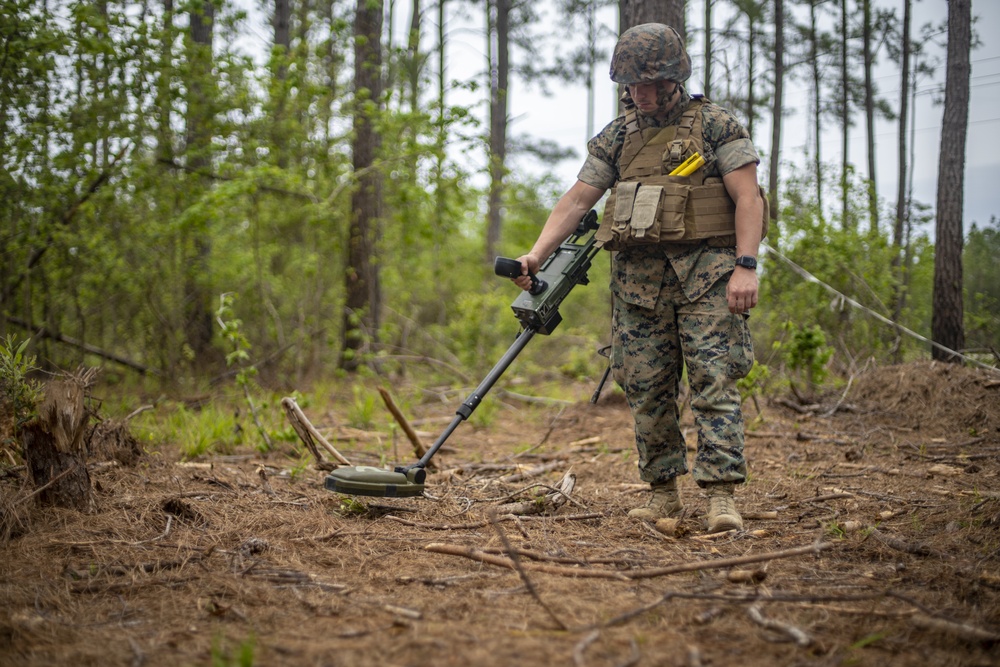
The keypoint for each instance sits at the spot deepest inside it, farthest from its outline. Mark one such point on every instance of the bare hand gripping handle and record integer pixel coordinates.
(511, 268)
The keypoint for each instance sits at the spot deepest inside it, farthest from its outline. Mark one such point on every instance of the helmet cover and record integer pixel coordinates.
(650, 52)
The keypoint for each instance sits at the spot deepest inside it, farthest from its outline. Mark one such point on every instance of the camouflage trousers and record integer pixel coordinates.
(650, 348)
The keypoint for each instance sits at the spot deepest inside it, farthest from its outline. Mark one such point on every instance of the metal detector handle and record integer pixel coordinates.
(511, 268)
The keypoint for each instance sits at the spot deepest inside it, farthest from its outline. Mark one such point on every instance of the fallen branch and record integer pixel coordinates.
(528, 583)
(725, 563)
(532, 472)
(481, 524)
(916, 549)
(418, 447)
(798, 636)
(582, 645)
(26, 498)
(734, 599)
(567, 560)
(43, 332)
(480, 556)
(550, 502)
(722, 563)
(825, 497)
(956, 629)
(308, 433)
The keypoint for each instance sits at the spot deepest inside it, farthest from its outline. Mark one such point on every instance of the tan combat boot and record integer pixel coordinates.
(662, 503)
(722, 514)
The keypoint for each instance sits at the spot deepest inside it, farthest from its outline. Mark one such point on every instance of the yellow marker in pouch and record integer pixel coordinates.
(689, 166)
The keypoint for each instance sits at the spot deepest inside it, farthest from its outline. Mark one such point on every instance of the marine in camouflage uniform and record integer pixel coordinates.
(670, 309)
(675, 304)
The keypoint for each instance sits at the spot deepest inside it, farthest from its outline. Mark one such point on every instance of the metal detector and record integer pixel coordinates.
(537, 309)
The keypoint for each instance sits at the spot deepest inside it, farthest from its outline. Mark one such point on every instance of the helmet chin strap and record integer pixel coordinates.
(676, 91)
(664, 107)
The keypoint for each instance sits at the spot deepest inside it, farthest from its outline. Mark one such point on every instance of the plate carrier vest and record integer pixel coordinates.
(648, 206)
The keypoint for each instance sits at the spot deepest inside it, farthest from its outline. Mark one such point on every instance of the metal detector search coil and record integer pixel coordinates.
(370, 481)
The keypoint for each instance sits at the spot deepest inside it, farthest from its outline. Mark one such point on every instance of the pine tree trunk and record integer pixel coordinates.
(281, 23)
(904, 113)
(947, 319)
(902, 209)
(777, 109)
(362, 288)
(164, 135)
(55, 451)
(499, 80)
(414, 54)
(198, 146)
(636, 12)
(708, 48)
(816, 105)
(870, 119)
(846, 220)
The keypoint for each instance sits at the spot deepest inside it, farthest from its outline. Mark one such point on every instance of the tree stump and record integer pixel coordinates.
(55, 450)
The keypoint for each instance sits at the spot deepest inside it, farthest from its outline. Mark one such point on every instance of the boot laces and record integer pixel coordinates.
(723, 505)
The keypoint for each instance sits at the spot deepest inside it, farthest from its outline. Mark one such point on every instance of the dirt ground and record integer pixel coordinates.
(872, 538)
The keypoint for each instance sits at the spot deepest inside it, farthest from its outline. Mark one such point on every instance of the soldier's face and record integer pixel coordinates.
(654, 99)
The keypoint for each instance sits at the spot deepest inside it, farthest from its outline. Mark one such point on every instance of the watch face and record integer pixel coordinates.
(746, 262)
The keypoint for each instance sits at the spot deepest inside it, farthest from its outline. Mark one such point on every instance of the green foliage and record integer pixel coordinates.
(212, 429)
(754, 384)
(982, 286)
(239, 356)
(242, 656)
(17, 389)
(808, 354)
(856, 265)
(136, 165)
(363, 408)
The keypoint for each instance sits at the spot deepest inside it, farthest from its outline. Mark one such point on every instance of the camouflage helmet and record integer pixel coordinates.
(650, 52)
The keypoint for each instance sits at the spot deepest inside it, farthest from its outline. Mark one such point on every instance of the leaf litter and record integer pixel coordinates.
(872, 536)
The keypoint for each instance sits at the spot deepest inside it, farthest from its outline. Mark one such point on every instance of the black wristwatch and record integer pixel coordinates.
(747, 262)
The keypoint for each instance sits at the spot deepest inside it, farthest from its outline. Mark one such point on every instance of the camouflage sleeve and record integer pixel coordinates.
(734, 155)
(728, 139)
(597, 173)
(600, 169)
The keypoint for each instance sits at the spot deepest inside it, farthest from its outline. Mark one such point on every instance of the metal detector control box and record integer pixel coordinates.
(561, 272)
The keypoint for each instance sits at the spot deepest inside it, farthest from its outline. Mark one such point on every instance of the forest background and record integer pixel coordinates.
(198, 195)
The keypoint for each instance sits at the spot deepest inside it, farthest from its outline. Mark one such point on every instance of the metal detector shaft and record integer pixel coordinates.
(475, 398)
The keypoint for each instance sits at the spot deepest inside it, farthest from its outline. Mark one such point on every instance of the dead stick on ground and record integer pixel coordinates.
(503, 517)
(532, 472)
(730, 562)
(482, 557)
(954, 628)
(582, 645)
(905, 547)
(307, 431)
(418, 447)
(512, 554)
(798, 636)
(42, 487)
(722, 563)
(163, 535)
